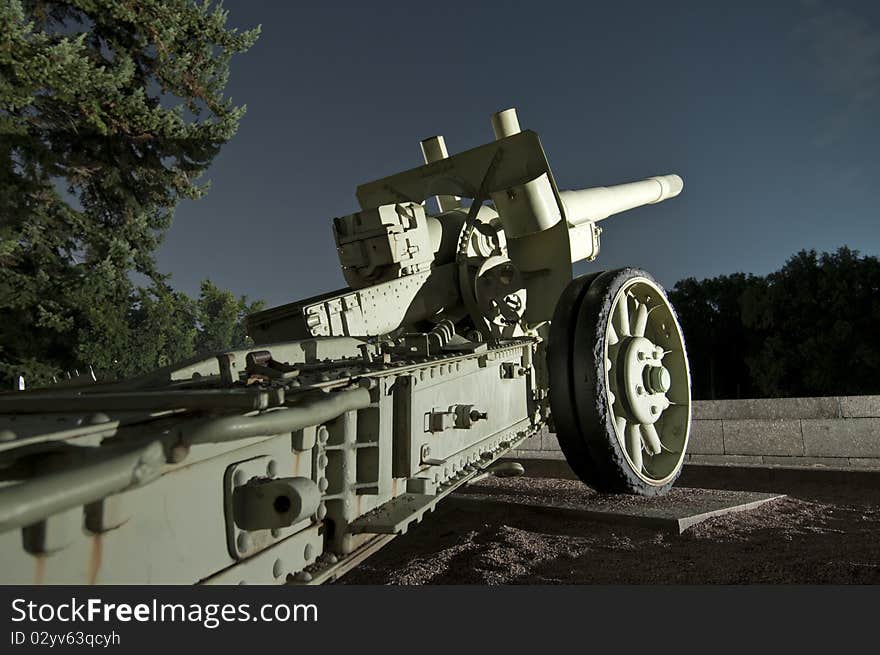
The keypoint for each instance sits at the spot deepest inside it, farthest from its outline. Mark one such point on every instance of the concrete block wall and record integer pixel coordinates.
(834, 432)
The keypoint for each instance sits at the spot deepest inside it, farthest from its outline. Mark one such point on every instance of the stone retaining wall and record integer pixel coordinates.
(834, 432)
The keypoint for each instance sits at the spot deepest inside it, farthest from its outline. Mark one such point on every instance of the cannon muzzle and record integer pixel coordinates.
(598, 203)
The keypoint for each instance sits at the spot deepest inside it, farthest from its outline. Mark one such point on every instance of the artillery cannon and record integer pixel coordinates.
(460, 334)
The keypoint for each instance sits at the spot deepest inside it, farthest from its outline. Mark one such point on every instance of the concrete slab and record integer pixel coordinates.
(679, 510)
(763, 437)
(865, 462)
(767, 408)
(532, 443)
(860, 406)
(827, 462)
(538, 454)
(726, 460)
(706, 438)
(549, 441)
(852, 437)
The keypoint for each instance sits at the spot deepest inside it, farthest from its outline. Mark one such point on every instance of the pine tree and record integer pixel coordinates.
(221, 319)
(110, 111)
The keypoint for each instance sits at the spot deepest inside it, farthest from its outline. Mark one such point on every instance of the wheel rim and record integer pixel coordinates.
(647, 381)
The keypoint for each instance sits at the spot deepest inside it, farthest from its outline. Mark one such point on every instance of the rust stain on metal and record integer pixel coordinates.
(40, 569)
(95, 558)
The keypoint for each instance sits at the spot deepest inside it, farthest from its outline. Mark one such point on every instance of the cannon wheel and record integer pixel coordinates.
(620, 383)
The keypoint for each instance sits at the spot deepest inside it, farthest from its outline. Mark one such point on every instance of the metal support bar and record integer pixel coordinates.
(32, 501)
(291, 419)
(245, 399)
(27, 502)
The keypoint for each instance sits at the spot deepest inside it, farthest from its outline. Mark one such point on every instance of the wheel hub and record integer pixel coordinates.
(657, 379)
(645, 380)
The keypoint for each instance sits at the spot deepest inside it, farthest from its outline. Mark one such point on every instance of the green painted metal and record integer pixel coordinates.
(358, 411)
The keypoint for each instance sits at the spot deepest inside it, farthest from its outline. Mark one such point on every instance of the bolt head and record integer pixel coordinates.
(303, 576)
(640, 390)
(655, 410)
(97, 418)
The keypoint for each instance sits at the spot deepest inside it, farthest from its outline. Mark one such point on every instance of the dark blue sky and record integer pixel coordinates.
(768, 110)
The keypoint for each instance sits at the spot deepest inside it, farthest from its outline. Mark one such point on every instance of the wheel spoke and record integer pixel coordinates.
(612, 335)
(641, 321)
(621, 316)
(634, 445)
(652, 439)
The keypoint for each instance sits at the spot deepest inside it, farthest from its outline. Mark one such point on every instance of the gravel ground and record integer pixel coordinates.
(826, 531)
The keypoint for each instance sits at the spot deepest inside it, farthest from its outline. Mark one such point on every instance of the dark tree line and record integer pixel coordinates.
(811, 328)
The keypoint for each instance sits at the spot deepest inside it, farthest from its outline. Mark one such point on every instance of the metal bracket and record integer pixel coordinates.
(244, 543)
